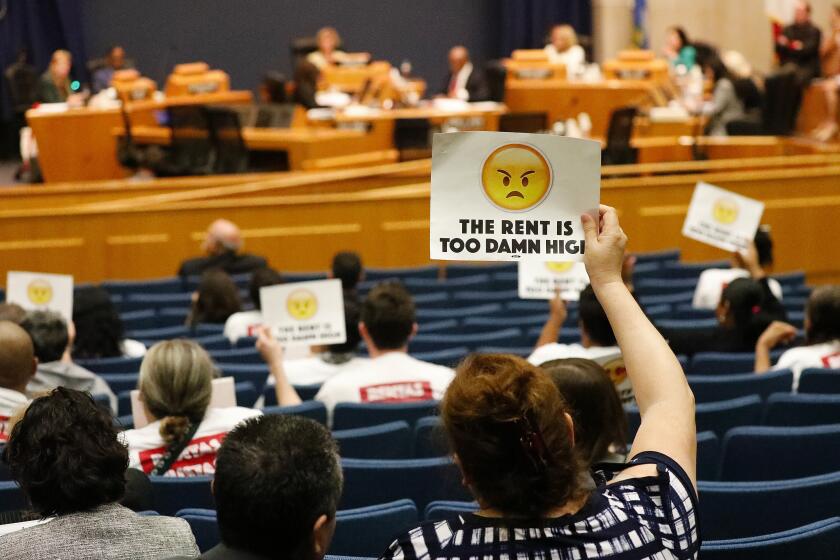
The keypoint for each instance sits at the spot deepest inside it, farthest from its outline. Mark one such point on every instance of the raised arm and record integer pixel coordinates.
(665, 400)
(272, 354)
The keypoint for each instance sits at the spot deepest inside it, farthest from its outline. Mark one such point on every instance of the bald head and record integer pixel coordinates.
(458, 57)
(222, 235)
(17, 357)
(802, 12)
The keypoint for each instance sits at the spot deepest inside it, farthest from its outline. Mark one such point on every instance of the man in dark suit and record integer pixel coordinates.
(222, 246)
(464, 81)
(798, 46)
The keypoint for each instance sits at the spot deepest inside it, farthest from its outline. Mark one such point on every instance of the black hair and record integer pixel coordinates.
(49, 334)
(347, 267)
(261, 278)
(594, 319)
(823, 310)
(749, 309)
(764, 247)
(681, 33)
(352, 313)
(218, 298)
(275, 85)
(275, 476)
(99, 329)
(65, 454)
(718, 68)
(388, 314)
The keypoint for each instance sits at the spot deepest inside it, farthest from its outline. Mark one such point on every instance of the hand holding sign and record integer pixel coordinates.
(722, 218)
(508, 196)
(304, 314)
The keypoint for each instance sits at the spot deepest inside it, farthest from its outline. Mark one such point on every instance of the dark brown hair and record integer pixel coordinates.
(599, 418)
(217, 299)
(504, 419)
(823, 311)
(388, 315)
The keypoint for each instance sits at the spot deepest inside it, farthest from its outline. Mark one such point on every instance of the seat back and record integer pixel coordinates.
(358, 415)
(385, 441)
(775, 453)
(718, 417)
(191, 149)
(429, 438)
(708, 455)
(314, 410)
(171, 494)
(710, 363)
(111, 365)
(786, 409)
(826, 381)
(364, 532)
(204, 525)
(708, 388)
(12, 497)
(440, 510)
(817, 540)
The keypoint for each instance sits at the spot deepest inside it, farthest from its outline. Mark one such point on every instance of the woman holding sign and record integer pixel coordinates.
(512, 435)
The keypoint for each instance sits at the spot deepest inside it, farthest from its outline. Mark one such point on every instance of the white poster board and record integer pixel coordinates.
(222, 395)
(542, 280)
(503, 196)
(722, 218)
(35, 291)
(305, 313)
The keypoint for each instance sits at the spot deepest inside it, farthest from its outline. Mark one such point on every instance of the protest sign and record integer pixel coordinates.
(35, 291)
(305, 313)
(722, 218)
(542, 280)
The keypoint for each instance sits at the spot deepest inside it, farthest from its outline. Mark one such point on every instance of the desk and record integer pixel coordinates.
(77, 144)
(562, 99)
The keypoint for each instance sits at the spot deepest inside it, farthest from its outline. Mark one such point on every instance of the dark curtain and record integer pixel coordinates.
(41, 27)
(525, 23)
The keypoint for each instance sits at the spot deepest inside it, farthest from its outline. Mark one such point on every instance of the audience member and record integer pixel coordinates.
(329, 52)
(597, 340)
(99, 328)
(386, 325)
(175, 387)
(54, 84)
(513, 436)
(563, 48)
(347, 267)
(52, 341)
(17, 367)
(277, 486)
(306, 84)
(746, 308)
(115, 60)
(798, 45)
(66, 455)
(333, 359)
(726, 105)
(756, 263)
(247, 323)
(822, 337)
(599, 419)
(222, 246)
(215, 300)
(272, 89)
(830, 56)
(678, 49)
(464, 81)
(12, 312)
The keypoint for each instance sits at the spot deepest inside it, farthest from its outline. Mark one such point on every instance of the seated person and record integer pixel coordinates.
(222, 246)
(99, 328)
(822, 337)
(599, 419)
(387, 324)
(54, 84)
(755, 263)
(746, 308)
(513, 436)
(332, 359)
(328, 52)
(306, 85)
(830, 56)
(17, 367)
(798, 45)
(215, 300)
(678, 49)
(277, 486)
(247, 323)
(67, 458)
(726, 104)
(347, 267)
(563, 48)
(52, 341)
(115, 60)
(464, 81)
(175, 386)
(597, 340)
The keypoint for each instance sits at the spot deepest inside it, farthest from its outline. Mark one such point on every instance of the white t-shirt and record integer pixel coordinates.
(609, 357)
(10, 403)
(314, 370)
(242, 324)
(825, 355)
(146, 447)
(390, 378)
(133, 348)
(573, 58)
(711, 283)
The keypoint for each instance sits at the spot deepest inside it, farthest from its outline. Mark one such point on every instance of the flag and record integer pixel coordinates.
(640, 37)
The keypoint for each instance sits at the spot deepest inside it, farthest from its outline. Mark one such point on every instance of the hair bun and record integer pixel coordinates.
(174, 428)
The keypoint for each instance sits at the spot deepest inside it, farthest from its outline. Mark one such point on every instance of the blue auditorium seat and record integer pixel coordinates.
(433, 300)
(358, 415)
(429, 438)
(652, 286)
(483, 324)
(111, 365)
(825, 381)
(457, 312)
(817, 540)
(171, 494)
(708, 363)
(204, 525)
(124, 422)
(256, 374)
(289, 277)
(305, 392)
(708, 455)
(137, 301)
(213, 342)
(666, 299)
(667, 255)
(688, 324)
(138, 320)
(435, 342)
(242, 281)
(11, 496)
(237, 355)
(384, 441)
(504, 281)
(160, 333)
(437, 326)
(172, 316)
(467, 297)
(204, 329)
(426, 285)
(717, 417)
(379, 274)
(119, 382)
(314, 410)
(449, 357)
(676, 270)
(708, 388)
(372, 481)
(440, 510)
(796, 278)
(776, 453)
(366, 531)
(786, 409)
(246, 394)
(731, 510)
(157, 286)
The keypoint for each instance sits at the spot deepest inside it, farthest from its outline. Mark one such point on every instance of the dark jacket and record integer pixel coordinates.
(806, 59)
(48, 92)
(230, 262)
(476, 85)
